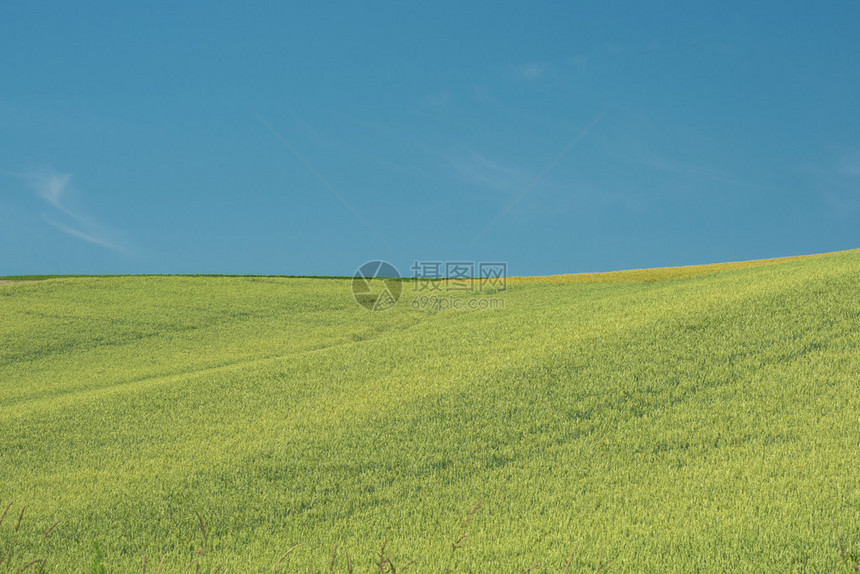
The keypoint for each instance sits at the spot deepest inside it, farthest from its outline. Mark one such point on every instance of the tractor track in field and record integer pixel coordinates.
(25, 405)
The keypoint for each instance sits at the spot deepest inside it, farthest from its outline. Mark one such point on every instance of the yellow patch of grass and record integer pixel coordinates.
(658, 273)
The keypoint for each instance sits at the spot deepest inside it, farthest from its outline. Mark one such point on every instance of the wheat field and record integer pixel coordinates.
(668, 420)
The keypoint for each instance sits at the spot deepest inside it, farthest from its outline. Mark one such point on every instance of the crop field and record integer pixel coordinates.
(695, 419)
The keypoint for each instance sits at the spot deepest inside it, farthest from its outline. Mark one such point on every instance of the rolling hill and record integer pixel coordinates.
(702, 418)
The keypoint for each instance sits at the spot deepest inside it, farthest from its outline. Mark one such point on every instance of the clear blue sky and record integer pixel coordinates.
(164, 137)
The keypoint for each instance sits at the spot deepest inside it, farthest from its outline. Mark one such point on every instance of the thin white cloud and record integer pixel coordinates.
(580, 61)
(54, 187)
(85, 236)
(481, 171)
(49, 186)
(436, 100)
(850, 164)
(531, 70)
(691, 170)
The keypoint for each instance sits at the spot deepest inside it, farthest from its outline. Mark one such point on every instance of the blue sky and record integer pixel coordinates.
(309, 138)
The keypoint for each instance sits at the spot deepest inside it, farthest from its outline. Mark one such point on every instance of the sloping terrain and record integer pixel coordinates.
(700, 418)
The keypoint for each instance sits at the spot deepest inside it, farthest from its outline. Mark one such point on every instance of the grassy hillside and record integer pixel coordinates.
(669, 420)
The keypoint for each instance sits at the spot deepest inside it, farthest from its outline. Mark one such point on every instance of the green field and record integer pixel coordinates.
(696, 419)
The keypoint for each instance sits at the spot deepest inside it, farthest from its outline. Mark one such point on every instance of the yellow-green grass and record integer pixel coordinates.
(659, 273)
(666, 420)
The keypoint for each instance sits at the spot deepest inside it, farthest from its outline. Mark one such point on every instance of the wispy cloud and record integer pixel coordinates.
(49, 186)
(531, 70)
(436, 99)
(85, 236)
(694, 171)
(481, 171)
(839, 184)
(580, 61)
(323, 180)
(54, 188)
(850, 163)
(541, 175)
